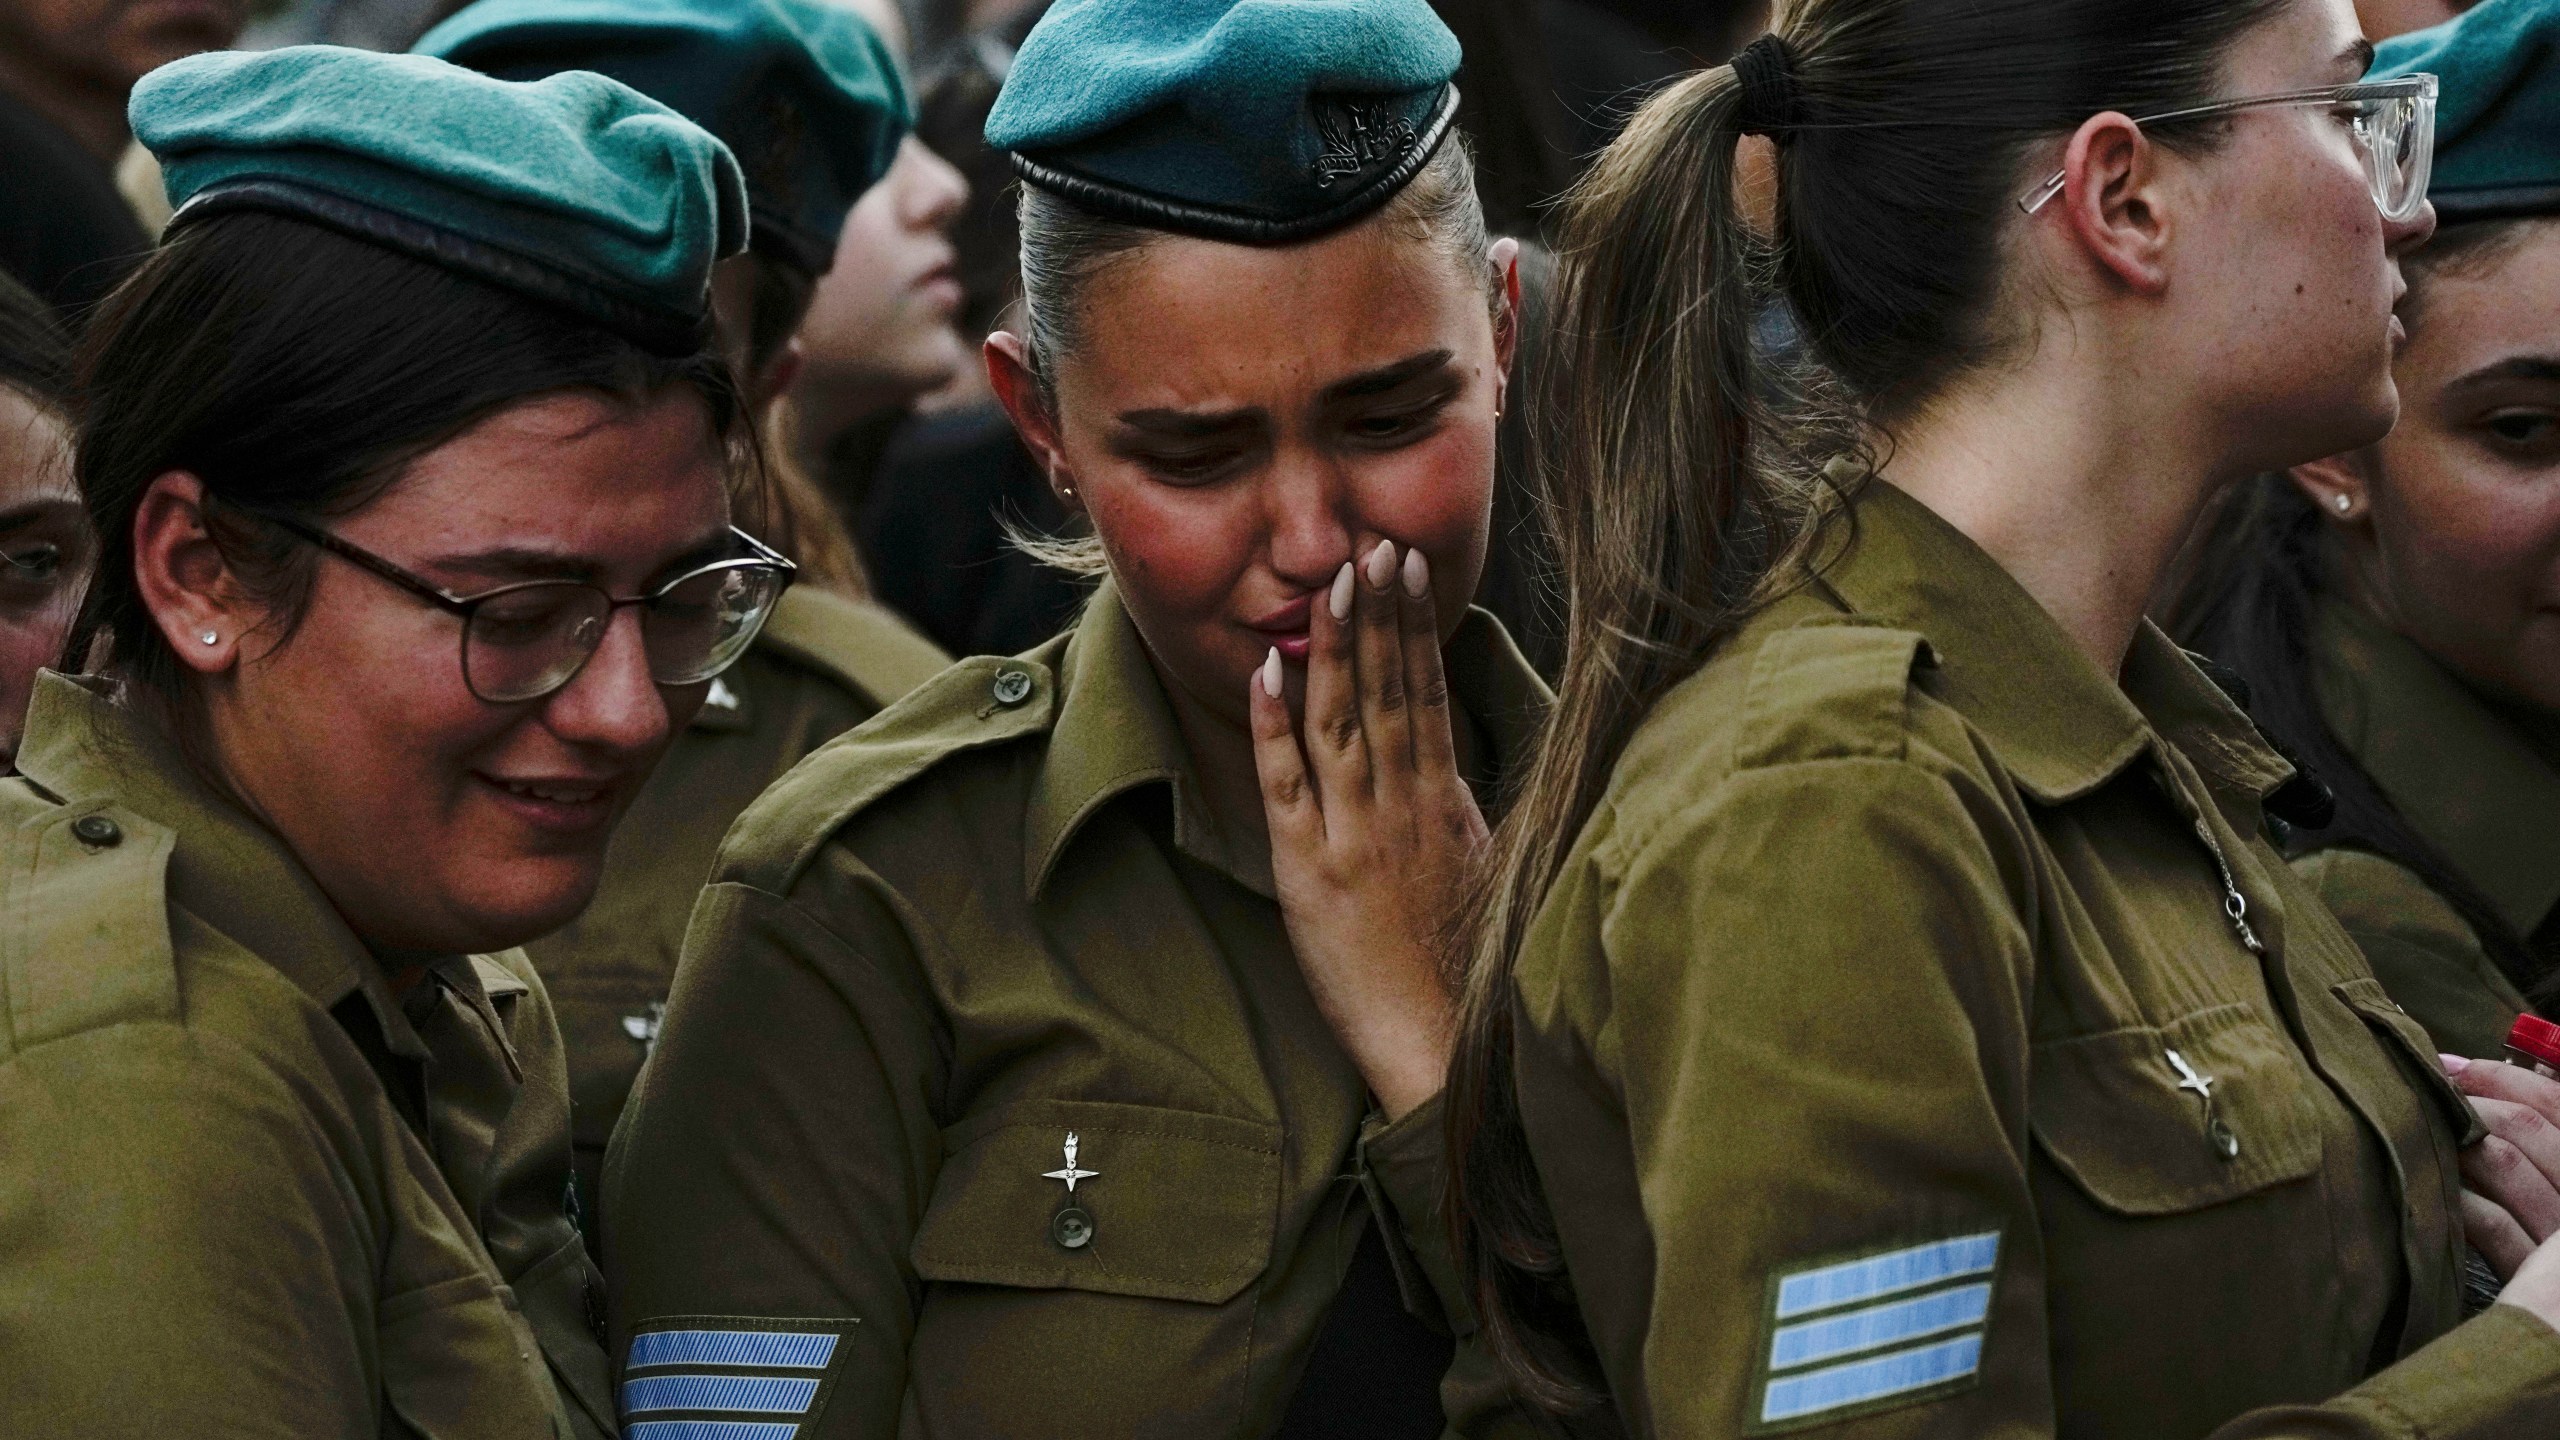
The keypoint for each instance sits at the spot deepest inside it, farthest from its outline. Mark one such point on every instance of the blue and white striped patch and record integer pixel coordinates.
(772, 1349)
(750, 1394)
(705, 1430)
(1859, 1335)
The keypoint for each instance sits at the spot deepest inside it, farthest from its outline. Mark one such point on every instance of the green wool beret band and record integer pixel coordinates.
(1262, 122)
(2498, 121)
(576, 191)
(803, 92)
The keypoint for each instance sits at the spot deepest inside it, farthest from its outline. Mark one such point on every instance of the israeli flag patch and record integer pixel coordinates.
(1850, 1337)
(728, 1378)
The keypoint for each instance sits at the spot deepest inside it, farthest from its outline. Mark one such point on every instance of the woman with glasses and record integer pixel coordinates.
(1060, 1053)
(411, 457)
(2395, 610)
(1887, 1019)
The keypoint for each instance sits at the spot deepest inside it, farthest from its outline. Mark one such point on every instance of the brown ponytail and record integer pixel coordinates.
(1683, 464)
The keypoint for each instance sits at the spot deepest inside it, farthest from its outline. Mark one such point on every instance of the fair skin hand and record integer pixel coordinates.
(77, 60)
(2450, 528)
(1241, 425)
(44, 553)
(2081, 462)
(2511, 1210)
(437, 823)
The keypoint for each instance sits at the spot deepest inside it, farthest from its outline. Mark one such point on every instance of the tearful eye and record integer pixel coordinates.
(35, 561)
(2521, 428)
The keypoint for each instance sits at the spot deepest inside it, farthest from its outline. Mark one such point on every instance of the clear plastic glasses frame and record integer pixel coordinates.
(2393, 123)
(524, 641)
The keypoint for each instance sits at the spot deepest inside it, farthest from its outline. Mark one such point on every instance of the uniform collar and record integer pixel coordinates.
(84, 743)
(2463, 774)
(1115, 732)
(2068, 729)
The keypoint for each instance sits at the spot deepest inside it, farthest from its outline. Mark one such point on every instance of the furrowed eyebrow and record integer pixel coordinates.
(507, 564)
(34, 511)
(1190, 424)
(2517, 367)
(1388, 377)
(2358, 55)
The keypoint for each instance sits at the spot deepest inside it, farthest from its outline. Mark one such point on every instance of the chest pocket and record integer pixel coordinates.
(1148, 1269)
(2161, 1121)
(1167, 1204)
(2408, 1041)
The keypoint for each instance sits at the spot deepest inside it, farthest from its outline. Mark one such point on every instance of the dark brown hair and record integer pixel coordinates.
(296, 371)
(1682, 497)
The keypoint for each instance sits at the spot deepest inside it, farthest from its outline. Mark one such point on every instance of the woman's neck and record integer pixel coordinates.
(2080, 479)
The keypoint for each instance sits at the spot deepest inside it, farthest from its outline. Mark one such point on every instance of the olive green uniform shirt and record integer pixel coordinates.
(2477, 785)
(244, 1189)
(988, 941)
(1897, 1068)
(823, 665)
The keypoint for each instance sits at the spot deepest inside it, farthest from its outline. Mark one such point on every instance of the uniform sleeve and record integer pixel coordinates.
(179, 1253)
(1406, 1161)
(1818, 1029)
(768, 1177)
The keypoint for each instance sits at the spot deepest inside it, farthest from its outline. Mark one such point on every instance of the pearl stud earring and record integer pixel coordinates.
(211, 637)
(2344, 503)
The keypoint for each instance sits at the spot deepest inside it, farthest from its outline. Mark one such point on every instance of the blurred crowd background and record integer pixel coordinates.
(891, 409)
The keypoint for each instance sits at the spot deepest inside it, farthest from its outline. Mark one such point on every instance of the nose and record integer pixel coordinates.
(612, 704)
(2410, 234)
(1310, 535)
(936, 190)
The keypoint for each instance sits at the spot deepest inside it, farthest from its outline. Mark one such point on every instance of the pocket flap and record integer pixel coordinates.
(2115, 1113)
(1175, 1204)
(2401, 1032)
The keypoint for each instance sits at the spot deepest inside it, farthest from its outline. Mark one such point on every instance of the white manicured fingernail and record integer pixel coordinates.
(1339, 602)
(1417, 574)
(1382, 565)
(1271, 673)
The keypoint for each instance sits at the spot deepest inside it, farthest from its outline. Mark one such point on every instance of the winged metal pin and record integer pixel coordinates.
(1071, 1174)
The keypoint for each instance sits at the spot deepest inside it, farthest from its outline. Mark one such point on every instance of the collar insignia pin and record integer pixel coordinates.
(2190, 1080)
(1071, 1174)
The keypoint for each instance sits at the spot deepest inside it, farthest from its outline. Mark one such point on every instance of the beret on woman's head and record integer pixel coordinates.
(1262, 122)
(576, 191)
(804, 93)
(2498, 118)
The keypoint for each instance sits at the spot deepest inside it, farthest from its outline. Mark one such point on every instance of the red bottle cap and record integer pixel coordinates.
(2536, 1037)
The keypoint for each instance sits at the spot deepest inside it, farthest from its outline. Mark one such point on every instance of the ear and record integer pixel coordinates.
(185, 582)
(1505, 259)
(769, 383)
(2110, 201)
(2340, 478)
(1017, 389)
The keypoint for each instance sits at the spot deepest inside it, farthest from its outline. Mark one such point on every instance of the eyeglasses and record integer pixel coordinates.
(524, 641)
(2393, 121)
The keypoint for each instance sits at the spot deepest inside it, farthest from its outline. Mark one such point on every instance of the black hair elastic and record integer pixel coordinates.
(1766, 71)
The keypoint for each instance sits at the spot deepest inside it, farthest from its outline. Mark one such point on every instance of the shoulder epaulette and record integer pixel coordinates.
(860, 644)
(972, 705)
(1829, 690)
(84, 924)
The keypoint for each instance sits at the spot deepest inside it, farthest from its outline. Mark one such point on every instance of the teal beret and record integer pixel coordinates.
(805, 94)
(2498, 121)
(1262, 122)
(577, 191)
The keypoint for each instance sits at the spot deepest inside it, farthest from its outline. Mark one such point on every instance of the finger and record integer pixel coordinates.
(2500, 1171)
(1289, 804)
(2523, 1127)
(2495, 1234)
(1383, 711)
(1337, 752)
(2496, 1080)
(1435, 746)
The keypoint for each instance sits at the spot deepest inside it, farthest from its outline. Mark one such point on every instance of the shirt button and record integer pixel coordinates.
(2225, 1143)
(1071, 1228)
(97, 830)
(1012, 686)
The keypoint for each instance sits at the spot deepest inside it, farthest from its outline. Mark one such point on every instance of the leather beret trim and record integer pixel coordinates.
(2507, 203)
(655, 329)
(1210, 222)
